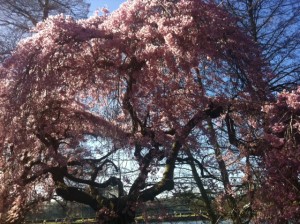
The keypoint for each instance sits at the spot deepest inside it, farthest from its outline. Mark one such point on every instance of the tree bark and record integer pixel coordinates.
(235, 213)
(210, 210)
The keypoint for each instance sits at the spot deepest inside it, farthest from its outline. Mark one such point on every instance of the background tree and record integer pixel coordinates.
(18, 17)
(274, 25)
(134, 82)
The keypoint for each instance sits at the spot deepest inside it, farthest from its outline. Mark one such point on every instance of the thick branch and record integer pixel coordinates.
(205, 197)
(167, 181)
(112, 181)
(224, 173)
(139, 183)
(99, 168)
(74, 194)
(132, 67)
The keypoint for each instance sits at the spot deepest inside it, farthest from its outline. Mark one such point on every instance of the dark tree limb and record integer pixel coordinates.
(211, 211)
(75, 194)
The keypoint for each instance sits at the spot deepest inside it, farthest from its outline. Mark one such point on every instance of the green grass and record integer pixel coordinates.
(74, 222)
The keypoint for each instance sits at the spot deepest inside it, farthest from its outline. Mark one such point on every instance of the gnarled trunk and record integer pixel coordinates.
(122, 216)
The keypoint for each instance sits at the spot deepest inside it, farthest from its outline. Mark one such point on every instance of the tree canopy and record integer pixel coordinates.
(152, 80)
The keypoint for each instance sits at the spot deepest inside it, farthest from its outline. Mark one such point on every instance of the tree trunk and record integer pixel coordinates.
(235, 213)
(120, 219)
(210, 210)
(121, 211)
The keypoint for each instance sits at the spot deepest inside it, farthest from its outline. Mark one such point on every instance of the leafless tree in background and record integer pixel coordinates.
(275, 26)
(17, 17)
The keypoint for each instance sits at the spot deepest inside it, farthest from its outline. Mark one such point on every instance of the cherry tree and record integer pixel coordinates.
(279, 193)
(145, 81)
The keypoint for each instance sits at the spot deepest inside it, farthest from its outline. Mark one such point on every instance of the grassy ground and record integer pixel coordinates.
(80, 221)
(176, 217)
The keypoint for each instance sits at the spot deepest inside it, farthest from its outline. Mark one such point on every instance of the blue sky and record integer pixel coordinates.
(110, 4)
